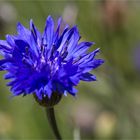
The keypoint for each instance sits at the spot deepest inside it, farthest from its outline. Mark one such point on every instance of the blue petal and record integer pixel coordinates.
(49, 32)
(21, 45)
(8, 76)
(72, 91)
(88, 57)
(35, 33)
(39, 93)
(86, 67)
(61, 37)
(4, 63)
(56, 36)
(65, 39)
(4, 47)
(23, 32)
(59, 87)
(88, 77)
(48, 91)
(70, 69)
(10, 40)
(75, 79)
(81, 48)
(17, 93)
(73, 41)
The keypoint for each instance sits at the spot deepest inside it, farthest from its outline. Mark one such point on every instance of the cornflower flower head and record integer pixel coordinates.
(49, 64)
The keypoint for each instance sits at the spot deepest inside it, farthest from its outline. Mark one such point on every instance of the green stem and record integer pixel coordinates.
(51, 118)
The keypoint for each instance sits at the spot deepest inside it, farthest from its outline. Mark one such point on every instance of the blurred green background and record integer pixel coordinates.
(107, 109)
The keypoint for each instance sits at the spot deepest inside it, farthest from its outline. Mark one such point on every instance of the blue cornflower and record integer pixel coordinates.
(46, 64)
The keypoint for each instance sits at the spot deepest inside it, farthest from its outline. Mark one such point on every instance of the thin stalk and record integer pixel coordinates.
(51, 118)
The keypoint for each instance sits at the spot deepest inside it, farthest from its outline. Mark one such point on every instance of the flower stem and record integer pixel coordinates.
(51, 118)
